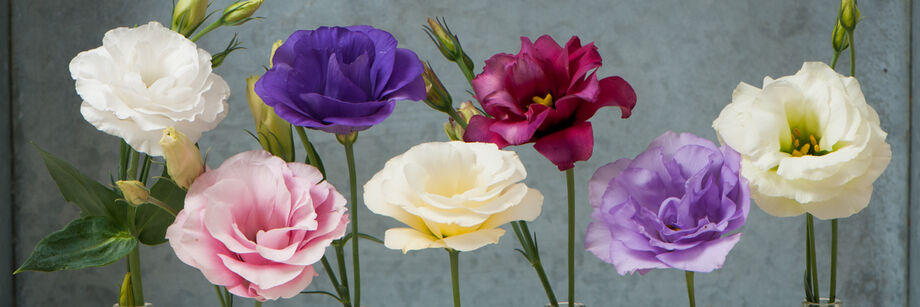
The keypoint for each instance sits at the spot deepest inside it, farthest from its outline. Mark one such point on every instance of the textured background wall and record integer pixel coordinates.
(684, 58)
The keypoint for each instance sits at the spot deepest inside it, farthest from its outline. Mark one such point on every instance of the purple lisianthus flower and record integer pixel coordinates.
(340, 79)
(670, 207)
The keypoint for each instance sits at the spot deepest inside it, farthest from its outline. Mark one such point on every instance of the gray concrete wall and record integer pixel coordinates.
(684, 58)
(6, 168)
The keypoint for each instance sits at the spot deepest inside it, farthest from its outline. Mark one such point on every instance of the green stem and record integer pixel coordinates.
(145, 169)
(834, 60)
(455, 275)
(132, 165)
(162, 205)
(457, 118)
(812, 263)
(833, 295)
(123, 160)
(258, 304)
(220, 295)
(852, 55)
(688, 275)
(332, 278)
(570, 185)
(467, 72)
(533, 256)
(353, 182)
(312, 157)
(340, 258)
(134, 262)
(207, 29)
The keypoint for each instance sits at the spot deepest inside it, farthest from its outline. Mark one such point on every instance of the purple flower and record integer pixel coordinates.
(669, 207)
(339, 79)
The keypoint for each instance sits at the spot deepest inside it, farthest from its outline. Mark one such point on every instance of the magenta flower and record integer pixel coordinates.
(670, 207)
(257, 225)
(340, 79)
(545, 95)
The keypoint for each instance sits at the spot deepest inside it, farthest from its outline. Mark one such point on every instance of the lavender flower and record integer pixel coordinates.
(670, 207)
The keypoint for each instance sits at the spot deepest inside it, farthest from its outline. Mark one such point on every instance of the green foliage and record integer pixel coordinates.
(90, 241)
(93, 198)
(152, 221)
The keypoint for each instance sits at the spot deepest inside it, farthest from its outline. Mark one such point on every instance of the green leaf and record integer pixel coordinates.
(90, 241)
(151, 220)
(93, 198)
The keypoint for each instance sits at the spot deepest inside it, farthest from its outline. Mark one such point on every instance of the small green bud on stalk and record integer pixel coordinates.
(437, 96)
(183, 158)
(839, 38)
(348, 138)
(134, 191)
(467, 110)
(446, 41)
(849, 14)
(273, 132)
(453, 130)
(240, 12)
(188, 15)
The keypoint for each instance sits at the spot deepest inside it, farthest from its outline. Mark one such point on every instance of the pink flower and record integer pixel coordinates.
(257, 225)
(545, 95)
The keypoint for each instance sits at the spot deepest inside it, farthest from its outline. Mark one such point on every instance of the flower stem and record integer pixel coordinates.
(812, 263)
(312, 156)
(132, 165)
(455, 275)
(852, 55)
(220, 295)
(134, 263)
(207, 29)
(834, 60)
(353, 181)
(570, 185)
(457, 118)
(532, 254)
(688, 275)
(467, 72)
(833, 295)
(340, 258)
(332, 279)
(145, 169)
(258, 304)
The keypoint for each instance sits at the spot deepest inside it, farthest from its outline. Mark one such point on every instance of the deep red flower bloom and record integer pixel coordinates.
(545, 94)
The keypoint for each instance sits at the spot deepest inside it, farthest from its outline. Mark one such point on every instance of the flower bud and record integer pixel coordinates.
(839, 38)
(183, 159)
(126, 295)
(273, 132)
(849, 14)
(347, 138)
(447, 42)
(437, 96)
(467, 110)
(453, 130)
(188, 15)
(240, 12)
(275, 46)
(134, 191)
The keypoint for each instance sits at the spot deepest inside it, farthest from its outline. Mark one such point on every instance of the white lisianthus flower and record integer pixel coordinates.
(809, 142)
(452, 195)
(146, 79)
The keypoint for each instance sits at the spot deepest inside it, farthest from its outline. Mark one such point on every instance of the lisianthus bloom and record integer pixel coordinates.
(339, 79)
(146, 79)
(670, 207)
(257, 225)
(452, 195)
(545, 95)
(809, 142)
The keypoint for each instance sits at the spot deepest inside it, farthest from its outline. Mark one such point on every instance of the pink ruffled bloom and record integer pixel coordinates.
(545, 95)
(257, 225)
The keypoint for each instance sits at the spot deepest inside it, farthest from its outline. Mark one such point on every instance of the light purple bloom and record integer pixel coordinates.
(669, 207)
(340, 79)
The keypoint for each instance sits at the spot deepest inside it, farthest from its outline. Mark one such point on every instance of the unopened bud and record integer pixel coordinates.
(445, 40)
(467, 110)
(273, 132)
(347, 138)
(453, 130)
(437, 96)
(240, 12)
(134, 191)
(275, 46)
(839, 38)
(849, 14)
(188, 15)
(183, 159)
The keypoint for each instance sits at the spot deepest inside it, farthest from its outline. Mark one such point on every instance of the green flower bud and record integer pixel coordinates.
(453, 130)
(240, 12)
(275, 47)
(839, 38)
(188, 15)
(437, 96)
(134, 191)
(447, 42)
(273, 132)
(849, 14)
(467, 110)
(183, 159)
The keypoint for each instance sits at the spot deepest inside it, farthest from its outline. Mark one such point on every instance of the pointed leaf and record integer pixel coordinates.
(90, 241)
(93, 198)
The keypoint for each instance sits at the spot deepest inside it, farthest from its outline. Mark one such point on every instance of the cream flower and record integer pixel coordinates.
(809, 142)
(145, 79)
(452, 195)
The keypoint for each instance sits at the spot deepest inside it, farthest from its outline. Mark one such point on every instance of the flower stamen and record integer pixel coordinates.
(546, 101)
(810, 146)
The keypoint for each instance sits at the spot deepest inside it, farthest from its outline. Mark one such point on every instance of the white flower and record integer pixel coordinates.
(809, 142)
(145, 79)
(452, 195)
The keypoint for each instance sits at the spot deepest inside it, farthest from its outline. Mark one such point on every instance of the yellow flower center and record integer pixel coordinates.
(805, 144)
(546, 101)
